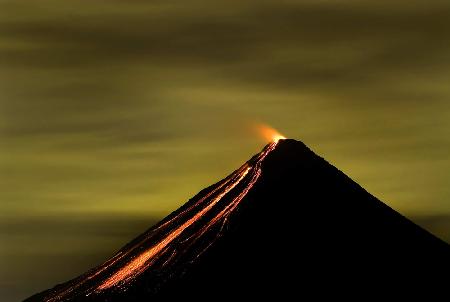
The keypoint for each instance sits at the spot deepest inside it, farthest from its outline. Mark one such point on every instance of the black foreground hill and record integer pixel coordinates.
(285, 224)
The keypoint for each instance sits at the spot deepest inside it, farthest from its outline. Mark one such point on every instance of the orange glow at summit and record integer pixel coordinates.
(269, 134)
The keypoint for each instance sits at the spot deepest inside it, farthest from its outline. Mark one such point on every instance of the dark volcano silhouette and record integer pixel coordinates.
(285, 223)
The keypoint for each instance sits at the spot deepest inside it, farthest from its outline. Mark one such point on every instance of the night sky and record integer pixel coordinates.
(114, 113)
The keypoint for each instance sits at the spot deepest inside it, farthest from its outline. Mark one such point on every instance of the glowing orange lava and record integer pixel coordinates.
(268, 133)
(140, 263)
(186, 226)
(137, 264)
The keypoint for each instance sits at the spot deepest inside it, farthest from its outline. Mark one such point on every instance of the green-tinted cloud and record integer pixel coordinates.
(114, 109)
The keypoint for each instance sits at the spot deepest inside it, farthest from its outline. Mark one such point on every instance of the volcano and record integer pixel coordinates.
(284, 223)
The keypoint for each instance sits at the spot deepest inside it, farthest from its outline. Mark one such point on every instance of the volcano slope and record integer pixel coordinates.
(286, 222)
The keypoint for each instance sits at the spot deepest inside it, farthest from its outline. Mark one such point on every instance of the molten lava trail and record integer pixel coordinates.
(159, 246)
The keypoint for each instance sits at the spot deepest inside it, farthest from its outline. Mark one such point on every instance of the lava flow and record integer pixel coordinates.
(232, 240)
(163, 244)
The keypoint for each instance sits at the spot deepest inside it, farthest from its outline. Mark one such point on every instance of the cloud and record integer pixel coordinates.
(73, 244)
(436, 224)
(127, 107)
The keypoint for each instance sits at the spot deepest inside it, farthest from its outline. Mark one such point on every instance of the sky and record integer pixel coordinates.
(114, 113)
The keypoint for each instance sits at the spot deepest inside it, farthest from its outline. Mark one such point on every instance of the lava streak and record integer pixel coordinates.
(144, 260)
(137, 264)
(163, 244)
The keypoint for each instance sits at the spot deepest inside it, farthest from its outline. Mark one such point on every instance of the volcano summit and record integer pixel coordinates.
(285, 222)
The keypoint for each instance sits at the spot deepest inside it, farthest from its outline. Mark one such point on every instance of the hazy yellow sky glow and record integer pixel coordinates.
(114, 113)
